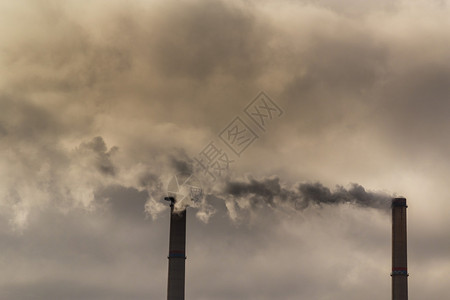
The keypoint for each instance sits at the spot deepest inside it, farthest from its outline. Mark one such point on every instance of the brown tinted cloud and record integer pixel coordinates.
(103, 101)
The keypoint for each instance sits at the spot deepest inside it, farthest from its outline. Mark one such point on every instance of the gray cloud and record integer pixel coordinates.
(209, 38)
(123, 202)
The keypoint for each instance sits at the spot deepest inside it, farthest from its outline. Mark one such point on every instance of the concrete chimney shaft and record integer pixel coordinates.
(177, 253)
(399, 250)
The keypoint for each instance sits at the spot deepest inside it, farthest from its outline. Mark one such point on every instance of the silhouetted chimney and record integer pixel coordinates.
(399, 249)
(177, 252)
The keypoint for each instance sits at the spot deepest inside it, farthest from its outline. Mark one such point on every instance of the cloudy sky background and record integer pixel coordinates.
(100, 100)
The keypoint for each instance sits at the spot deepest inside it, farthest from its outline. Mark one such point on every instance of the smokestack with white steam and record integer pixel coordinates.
(177, 252)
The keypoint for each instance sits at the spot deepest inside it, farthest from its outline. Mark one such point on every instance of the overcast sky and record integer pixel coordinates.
(102, 102)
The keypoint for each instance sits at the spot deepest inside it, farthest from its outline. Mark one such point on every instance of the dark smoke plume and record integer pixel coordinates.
(269, 191)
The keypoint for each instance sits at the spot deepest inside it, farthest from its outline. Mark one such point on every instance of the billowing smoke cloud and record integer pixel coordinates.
(102, 157)
(141, 75)
(38, 175)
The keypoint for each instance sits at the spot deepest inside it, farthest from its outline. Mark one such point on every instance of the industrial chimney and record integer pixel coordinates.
(399, 248)
(177, 252)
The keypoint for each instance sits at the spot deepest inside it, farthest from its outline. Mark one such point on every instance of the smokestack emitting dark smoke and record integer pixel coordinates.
(399, 250)
(269, 191)
(177, 252)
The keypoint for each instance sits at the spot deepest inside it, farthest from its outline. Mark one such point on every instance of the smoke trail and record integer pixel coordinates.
(250, 193)
(269, 191)
(356, 194)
